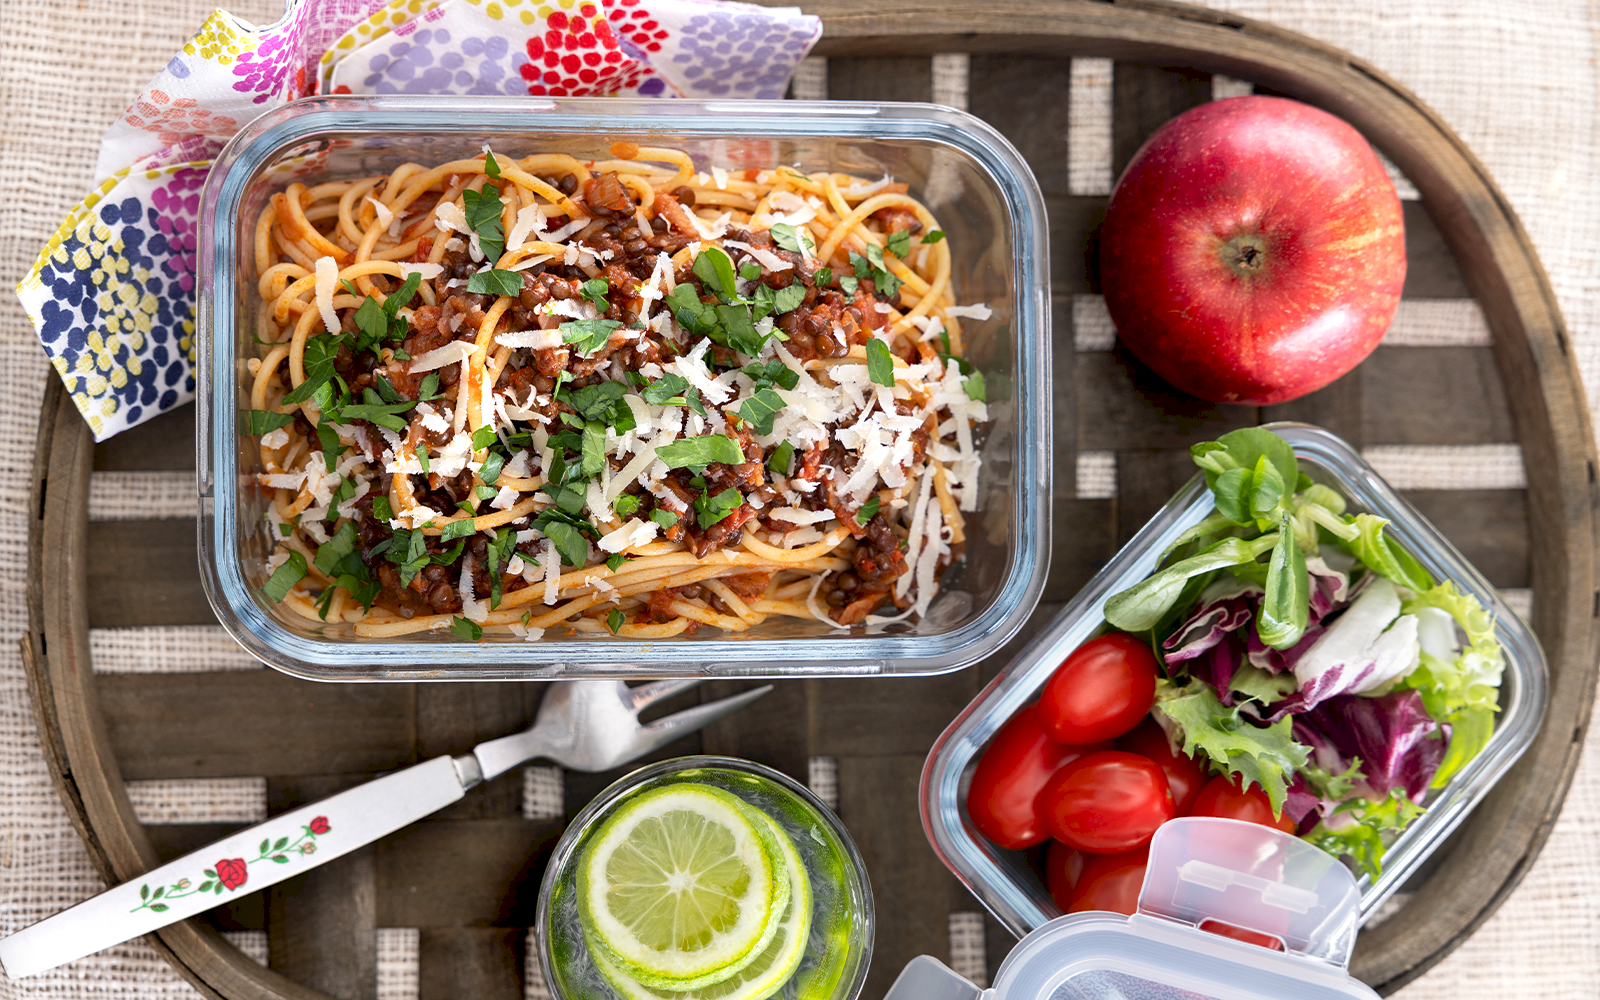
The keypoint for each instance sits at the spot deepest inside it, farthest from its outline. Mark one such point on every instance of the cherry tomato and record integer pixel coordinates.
(1062, 866)
(1100, 691)
(1110, 882)
(1010, 774)
(1240, 934)
(1106, 802)
(1185, 776)
(1222, 797)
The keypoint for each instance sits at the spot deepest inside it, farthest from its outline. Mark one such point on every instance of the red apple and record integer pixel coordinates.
(1253, 250)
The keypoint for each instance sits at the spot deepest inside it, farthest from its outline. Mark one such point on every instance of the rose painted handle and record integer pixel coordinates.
(251, 859)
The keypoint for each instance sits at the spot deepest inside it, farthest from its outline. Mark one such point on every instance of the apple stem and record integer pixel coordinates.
(1245, 255)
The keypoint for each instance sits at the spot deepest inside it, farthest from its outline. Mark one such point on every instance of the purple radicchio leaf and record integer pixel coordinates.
(1393, 735)
(1276, 661)
(1217, 665)
(1207, 627)
(1370, 645)
(1304, 806)
(1330, 589)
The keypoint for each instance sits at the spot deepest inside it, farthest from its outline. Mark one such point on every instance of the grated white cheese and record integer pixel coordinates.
(472, 608)
(385, 217)
(975, 311)
(801, 517)
(634, 533)
(327, 284)
(530, 220)
(505, 499)
(276, 438)
(537, 339)
(428, 271)
(552, 572)
(455, 352)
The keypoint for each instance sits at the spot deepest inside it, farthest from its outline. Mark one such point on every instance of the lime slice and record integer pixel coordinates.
(682, 887)
(772, 968)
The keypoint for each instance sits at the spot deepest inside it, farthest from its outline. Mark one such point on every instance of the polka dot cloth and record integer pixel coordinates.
(112, 294)
(113, 297)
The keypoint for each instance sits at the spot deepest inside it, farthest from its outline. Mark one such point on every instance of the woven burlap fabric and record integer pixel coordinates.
(1516, 80)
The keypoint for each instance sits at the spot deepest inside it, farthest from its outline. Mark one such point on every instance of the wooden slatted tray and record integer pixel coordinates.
(467, 878)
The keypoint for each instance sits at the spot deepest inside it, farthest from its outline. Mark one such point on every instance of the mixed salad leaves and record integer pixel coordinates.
(1309, 654)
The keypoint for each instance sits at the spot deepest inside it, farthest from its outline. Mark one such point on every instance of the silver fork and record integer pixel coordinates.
(582, 725)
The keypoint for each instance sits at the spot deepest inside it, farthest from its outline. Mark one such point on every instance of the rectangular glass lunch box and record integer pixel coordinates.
(1005, 882)
(977, 185)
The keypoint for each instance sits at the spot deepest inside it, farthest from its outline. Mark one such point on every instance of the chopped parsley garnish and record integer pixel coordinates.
(595, 290)
(490, 165)
(932, 236)
(711, 509)
(790, 238)
(482, 209)
(336, 548)
(975, 387)
(284, 578)
(495, 281)
(750, 271)
(664, 517)
(626, 504)
(485, 492)
(868, 510)
(788, 299)
(760, 408)
(422, 458)
(568, 537)
(666, 390)
(849, 283)
(614, 620)
(331, 446)
(429, 389)
(588, 335)
(899, 243)
(880, 363)
(703, 450)
(615, 561)
(779, 462)
(490, 471)
(601, 401)
(317, 362)
(715, 270)
(773, 372)
(824, 277)
(457, 529)
(381, 509)
(500, 551)
(258, 422)
(466, 628)
(483, 437)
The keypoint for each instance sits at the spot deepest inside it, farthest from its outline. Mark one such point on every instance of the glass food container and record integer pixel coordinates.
(974, 181)
(1004, 881)
(839, 945)
(1203, 872)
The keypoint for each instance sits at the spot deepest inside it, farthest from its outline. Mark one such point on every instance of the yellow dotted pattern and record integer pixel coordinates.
(527, 11)
(127, 313)
(220, 39)
(383, 20)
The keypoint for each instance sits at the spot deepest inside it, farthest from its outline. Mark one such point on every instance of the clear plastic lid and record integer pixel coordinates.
(1206, 877)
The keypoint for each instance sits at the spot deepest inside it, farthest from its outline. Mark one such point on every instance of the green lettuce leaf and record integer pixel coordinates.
(1364, 840)
(1465, 692)
(1141, 606)
(1382, 555)
(1267, 757)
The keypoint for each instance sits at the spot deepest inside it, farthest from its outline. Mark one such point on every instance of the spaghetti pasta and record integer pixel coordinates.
(520, 394)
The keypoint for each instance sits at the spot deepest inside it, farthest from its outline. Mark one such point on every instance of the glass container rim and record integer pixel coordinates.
(597, 807)
(219, 531)
(1525, 685)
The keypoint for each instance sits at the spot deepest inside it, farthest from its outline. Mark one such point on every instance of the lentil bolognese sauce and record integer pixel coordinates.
(626, 395)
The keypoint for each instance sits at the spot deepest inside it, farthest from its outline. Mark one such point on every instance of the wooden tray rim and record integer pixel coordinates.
(1500, 840)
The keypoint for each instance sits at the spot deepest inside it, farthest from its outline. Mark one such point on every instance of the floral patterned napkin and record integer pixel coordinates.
(112, 293)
